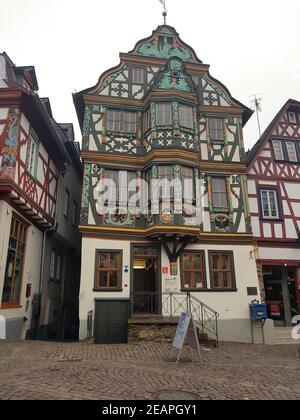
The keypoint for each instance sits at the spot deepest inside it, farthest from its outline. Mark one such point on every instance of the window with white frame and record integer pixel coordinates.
(163, 114)
(186, 116)
(292, 117)
(278, 150)
(270, 207)
(32, 154)
(291, 151)
(138, 75)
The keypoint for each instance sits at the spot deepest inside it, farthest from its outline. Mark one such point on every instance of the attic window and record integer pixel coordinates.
(216, 129)
(292, 117)
(138, 76)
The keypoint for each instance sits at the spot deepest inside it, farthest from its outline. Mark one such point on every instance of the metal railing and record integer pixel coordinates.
(172, 305)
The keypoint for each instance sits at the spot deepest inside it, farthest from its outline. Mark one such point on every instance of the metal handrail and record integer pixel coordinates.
(173, 304)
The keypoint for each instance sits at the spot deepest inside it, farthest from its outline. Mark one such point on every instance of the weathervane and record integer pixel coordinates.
(258, 108)
(165, 13)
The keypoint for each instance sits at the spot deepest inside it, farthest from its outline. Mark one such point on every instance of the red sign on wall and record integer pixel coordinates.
(165, 270)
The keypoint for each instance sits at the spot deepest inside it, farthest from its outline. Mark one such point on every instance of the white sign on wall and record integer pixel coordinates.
(171, 284)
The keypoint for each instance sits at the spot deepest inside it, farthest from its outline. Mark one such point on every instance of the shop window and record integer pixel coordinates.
(15, 261)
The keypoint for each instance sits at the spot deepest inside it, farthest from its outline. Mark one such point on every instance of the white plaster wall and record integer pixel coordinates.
(87, 295)
(230, 305)
(293, 190)
(31, 268)
(280, 254)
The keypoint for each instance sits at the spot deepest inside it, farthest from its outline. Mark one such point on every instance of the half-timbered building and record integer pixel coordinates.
(40, 188)
(274, 196)
(160, 116)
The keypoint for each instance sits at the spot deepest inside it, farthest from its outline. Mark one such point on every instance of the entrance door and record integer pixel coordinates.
(281, 299)
(145, 287)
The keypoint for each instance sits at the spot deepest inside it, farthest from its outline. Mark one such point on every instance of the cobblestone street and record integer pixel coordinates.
(41, 370)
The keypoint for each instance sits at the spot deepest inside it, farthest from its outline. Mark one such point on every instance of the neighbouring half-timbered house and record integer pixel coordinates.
(274, 194)
(40, 189)
(159, 116)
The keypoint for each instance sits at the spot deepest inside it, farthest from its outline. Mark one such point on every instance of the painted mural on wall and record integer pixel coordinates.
(165, 46)
(10, 149)
(174, 76)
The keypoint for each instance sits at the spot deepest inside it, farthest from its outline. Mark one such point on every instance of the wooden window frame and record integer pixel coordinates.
(212, 271)
(135, 71)
(192, 271)
(147, 120)
(121, 123)
(184, 123)
(17, 304)
(119, 287)
(226, 192)
(216, 130)
(157, 113)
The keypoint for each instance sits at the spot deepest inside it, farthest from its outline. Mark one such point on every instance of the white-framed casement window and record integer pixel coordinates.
(219, 193)
(186, 116)
(278, 150)
(269, 201)
(138, 75)
(216, 129)
(32, 154)
(292, 117)
(291, 151)
(163, 114)
(66, 203)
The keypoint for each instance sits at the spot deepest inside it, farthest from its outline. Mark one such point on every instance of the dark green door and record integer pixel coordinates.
(111, 321)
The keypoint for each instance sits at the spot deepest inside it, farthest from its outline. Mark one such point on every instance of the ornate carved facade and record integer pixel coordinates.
(160, 115)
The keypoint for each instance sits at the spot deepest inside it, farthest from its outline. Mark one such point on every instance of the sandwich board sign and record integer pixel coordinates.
(186, 334)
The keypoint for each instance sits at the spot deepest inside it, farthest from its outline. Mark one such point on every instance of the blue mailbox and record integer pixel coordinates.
(258, 311)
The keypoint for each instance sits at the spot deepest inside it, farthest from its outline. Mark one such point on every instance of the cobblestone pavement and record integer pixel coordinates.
(42, 370)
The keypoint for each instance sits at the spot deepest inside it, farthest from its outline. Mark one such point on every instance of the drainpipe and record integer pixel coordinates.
(53, 228)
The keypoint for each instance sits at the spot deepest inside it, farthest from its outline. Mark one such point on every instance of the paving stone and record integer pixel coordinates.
(145, 370)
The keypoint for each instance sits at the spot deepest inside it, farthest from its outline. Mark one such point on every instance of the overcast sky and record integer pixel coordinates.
(252, 47)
